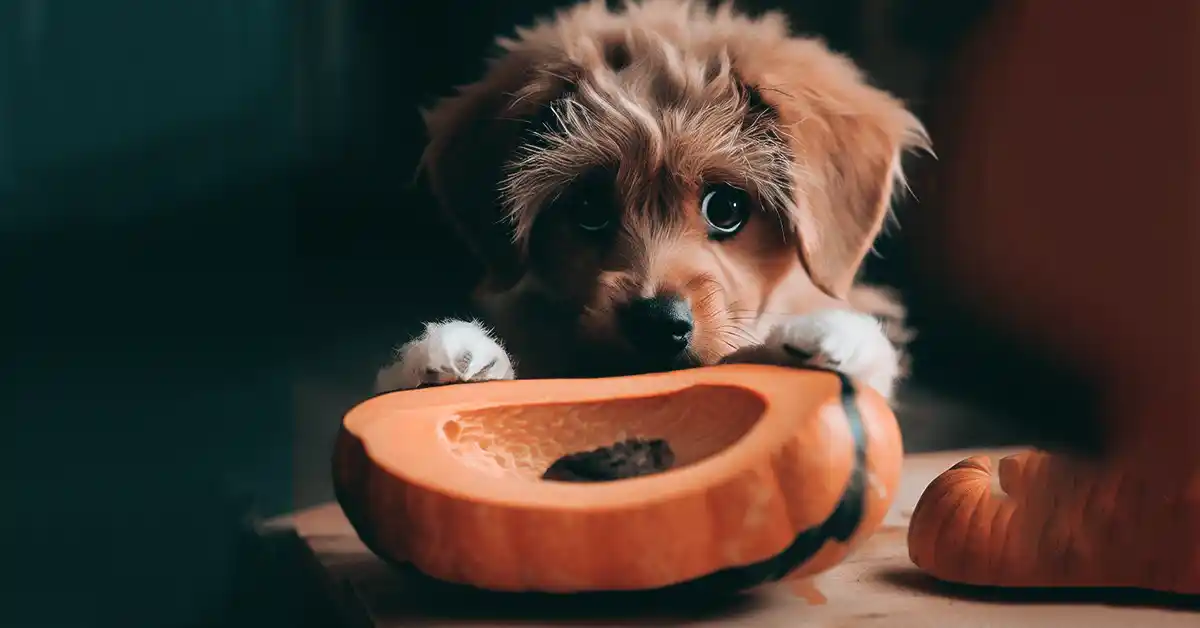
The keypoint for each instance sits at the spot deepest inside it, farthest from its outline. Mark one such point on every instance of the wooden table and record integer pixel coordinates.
(877, 586)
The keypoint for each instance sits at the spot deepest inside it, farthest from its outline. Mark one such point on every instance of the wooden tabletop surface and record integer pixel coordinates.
(876, 586)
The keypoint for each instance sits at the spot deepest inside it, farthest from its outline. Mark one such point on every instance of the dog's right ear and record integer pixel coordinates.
(847, 139)
(471, 136)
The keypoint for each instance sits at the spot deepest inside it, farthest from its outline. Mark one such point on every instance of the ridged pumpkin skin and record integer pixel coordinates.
(1061, 522)
(779, 472)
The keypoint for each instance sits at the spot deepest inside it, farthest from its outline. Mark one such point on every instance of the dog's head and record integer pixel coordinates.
(676, 174)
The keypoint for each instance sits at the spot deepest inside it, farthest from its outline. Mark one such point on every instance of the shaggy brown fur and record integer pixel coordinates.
(636, 113)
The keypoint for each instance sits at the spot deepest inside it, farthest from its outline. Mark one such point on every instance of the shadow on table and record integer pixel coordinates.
(918, 582)
(352, 588)
(406, 596)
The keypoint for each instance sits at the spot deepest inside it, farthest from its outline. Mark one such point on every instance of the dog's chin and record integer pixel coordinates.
(639, 364)
(616, 358)
(680, 362)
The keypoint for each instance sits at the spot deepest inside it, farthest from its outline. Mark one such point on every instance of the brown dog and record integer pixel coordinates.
(660, 187)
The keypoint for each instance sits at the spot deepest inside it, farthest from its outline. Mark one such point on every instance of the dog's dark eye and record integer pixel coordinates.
(725, 209)
(589, 203)
(591, 215)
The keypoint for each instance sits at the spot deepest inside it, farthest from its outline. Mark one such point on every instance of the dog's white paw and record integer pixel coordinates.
(843, 340)
(448, 352)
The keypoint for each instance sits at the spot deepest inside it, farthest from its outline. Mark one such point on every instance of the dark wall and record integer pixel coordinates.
(208, 239)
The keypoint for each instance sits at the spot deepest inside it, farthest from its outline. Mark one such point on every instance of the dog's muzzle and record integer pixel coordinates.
(659, 327)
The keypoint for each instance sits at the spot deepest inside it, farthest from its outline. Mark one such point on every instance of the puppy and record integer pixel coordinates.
(663, 186)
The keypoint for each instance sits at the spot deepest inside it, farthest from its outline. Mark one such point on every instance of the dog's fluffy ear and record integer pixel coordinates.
(847, 139)
(471, 135)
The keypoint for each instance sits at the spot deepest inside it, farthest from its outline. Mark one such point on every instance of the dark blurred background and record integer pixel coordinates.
(211, 240)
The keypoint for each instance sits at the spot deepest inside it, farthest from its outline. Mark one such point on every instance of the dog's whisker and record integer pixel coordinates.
(737, 333)
(729, 345)
(746, 339)
(755, 313)
(732, 347)
(747, 334)
(708, 298)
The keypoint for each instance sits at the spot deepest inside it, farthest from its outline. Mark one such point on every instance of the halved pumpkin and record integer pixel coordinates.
(776, 472)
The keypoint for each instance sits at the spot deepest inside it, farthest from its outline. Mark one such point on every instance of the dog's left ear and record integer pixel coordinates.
(847, 139)
(471, 136)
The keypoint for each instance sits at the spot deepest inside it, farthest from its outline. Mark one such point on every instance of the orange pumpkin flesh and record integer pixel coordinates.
(776, 471)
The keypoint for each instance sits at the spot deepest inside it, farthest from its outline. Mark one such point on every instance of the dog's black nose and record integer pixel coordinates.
(660, 325)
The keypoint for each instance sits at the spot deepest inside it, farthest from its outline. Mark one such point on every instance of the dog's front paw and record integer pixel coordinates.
(448, 352)
(843, 340)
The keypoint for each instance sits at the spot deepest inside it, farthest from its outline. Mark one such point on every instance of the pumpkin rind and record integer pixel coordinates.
(820, 486)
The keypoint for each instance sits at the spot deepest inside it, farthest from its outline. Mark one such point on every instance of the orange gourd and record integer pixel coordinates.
(1062, 521)
(777, 472)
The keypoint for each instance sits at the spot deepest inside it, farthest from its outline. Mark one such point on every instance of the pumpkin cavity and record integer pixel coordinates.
(603, 440)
